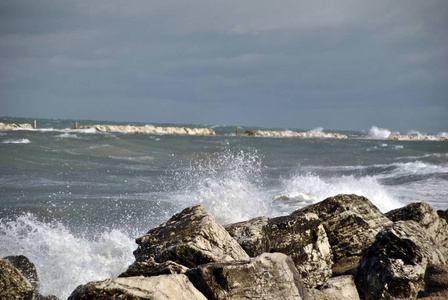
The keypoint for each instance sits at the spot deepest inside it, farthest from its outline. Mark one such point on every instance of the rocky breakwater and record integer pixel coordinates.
(14, 126)
(269, 133)
(340, 248)
(151, 129)
(417, 137)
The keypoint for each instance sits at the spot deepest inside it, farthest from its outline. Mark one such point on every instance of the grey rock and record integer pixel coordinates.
(393, 267)
(426, 217)
(138, 288)
(304, 239)
(268, 276)
(13, 285)
(340, 288)
(190, 238)
(252, 235)
(151, 268)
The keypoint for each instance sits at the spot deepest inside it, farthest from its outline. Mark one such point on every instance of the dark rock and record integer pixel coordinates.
(268, 276)
(436, 282)
(443, 214)
(13, 285)
(190, 238)
(152, 268)
(393, 267)
(426, 217)
(26, 267)
(304, 239)
(252, 235)
(138, 288)
(346, 266)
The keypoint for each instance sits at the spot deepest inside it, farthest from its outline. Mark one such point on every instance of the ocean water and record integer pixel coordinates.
(73, 201)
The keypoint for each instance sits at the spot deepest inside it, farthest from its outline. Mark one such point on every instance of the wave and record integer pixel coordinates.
(63, 260)
(378, 133)
(20, 141)
(319, 130)
(442, 135)
(308, 189)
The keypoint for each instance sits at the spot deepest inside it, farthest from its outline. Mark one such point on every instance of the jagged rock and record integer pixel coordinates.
(152, 268)
(26, 267)
(443, 214)
(13, 126)
(426, 217)
(436, 282)
(339, 288)
(13, 285)
(268, 276)
(304, 239)
(252, 235)
(393, 267)
(351, 223)
(138, 288)
(190, 238)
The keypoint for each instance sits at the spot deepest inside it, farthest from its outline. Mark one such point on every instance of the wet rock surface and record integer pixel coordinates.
(13, 285)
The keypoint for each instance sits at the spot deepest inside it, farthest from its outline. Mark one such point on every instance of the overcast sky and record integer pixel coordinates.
(291, 64)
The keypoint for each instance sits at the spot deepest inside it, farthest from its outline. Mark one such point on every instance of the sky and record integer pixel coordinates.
(290, 64)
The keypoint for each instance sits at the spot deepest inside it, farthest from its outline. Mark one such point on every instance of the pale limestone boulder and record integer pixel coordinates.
(393, 267)
(13, 126)
(351, 223)
(252, 235)
(13, 285)
(304, 239)
(340, 288)
(163, 287)
(190, 238)
(26, 268)
(268, 276)
(426, 217)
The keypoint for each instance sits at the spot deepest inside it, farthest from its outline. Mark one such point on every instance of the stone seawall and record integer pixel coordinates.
(270, 133)
(151, 129)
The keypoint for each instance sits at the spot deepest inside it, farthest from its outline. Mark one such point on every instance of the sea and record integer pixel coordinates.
(74, 201)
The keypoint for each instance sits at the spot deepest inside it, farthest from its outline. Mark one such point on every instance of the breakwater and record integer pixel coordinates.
(271, 133)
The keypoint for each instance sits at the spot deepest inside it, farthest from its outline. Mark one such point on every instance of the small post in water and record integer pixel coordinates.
(35, 124)
(236, 130)
(76, 125)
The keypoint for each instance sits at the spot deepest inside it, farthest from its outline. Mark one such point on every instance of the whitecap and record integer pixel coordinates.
(20, 141)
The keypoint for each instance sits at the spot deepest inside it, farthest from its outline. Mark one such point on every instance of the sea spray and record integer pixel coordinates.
(229, 184)
(62, 259)
(378, 133)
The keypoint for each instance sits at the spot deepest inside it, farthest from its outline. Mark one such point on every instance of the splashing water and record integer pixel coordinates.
(64, 261)
(378, 133)
(228, 184)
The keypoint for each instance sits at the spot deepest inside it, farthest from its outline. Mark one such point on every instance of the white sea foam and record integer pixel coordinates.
(63, 260)
(442, 135)
(228, 184)
(317, 130)
(309, 188)
(20, 141)
(378, 133)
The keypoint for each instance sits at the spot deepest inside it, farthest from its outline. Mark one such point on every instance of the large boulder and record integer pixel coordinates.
(252, 235)
(436, 282)
(351, 223)
(151, 268)
(13, 285)
(304, 239)
(426, 217)
(190, 238)
(268, 276)
(26, 267)
(393, 267)
(138, 288)
(338, 288)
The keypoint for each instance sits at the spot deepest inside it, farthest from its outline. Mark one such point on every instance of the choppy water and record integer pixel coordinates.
(74, 201)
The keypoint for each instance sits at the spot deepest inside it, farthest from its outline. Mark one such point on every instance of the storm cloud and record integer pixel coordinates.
(291, 64)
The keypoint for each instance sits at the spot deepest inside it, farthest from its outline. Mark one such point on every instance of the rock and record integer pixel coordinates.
(13, 126)
(341, 287)
(436, 282)
(351, 223)
(417, 137)
(443, 214)
(270, 133)
(252, 235)
(26, 268)
(151, 129)
(393, 267)
(13, 285)
(268, 276)
(132, 288)
(190, 238)
(152, 268)
(426, 217)
(304, 239)
(345, 266)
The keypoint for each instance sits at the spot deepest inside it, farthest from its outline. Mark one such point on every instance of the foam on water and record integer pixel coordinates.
(442, 135)
(310, 188)
(20, 141)
(378, 133)
(63, 260)
(317, 130)
(227, 184)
